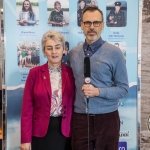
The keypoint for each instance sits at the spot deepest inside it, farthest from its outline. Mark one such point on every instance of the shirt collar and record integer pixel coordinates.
(54, 69)
(116, 11)
(94, 46)
(57, 10)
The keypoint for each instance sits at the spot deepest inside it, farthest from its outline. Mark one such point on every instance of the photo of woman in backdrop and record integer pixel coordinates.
(58, 13)
(81, 6)
(27, 16)
(48, 99)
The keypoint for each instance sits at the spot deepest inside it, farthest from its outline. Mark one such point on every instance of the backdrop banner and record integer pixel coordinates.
(24, 51)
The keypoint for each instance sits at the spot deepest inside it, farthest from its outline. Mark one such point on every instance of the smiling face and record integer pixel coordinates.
(58, 6)
(82, 4)
(92, 33)
(54, 52)
(26, 5)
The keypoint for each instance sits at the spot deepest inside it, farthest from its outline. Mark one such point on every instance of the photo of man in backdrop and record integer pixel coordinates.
(116, 14)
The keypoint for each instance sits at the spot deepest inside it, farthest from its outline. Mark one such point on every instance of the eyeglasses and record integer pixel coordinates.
(95, 23)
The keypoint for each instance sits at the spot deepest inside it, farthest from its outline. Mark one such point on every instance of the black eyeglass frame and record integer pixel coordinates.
(90, 23)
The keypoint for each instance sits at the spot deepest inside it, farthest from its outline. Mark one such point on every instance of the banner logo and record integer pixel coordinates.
(124, 134)
(122, 146)
(87, 80)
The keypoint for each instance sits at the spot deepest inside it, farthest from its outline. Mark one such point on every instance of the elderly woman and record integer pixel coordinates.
(48, 100)
(27, 16)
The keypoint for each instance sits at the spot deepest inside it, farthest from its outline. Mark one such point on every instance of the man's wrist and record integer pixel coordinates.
(97, 92)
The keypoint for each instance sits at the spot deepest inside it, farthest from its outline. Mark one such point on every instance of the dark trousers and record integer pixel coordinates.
(54, 140)
(103, 131)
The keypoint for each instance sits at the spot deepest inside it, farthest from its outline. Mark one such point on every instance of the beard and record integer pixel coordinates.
(91, 36)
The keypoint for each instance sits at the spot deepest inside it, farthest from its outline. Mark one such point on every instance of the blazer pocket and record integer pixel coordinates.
(35, 117)
(39, 125)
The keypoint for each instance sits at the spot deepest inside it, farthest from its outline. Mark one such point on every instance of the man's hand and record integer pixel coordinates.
(90, 91)
(111, 17)
(25, 146)
(60, 23)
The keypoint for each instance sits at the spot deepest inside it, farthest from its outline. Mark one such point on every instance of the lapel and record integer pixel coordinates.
(64, 77)
(46, 78)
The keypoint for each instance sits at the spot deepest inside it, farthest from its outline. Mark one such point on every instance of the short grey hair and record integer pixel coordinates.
(57, 2)
(52, 35)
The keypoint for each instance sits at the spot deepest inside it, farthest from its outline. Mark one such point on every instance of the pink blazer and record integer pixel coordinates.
(37, 103)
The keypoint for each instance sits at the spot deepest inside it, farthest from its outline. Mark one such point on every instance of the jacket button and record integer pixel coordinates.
(65, 106)
(64, 112)
(34, 118)
(64, 117)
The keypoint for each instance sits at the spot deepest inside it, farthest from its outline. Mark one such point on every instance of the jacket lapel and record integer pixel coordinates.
(64, 77)
(46, 78)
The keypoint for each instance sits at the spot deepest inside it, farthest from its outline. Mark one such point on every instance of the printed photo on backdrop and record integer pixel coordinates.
(65, 59)
(116, 14)
(81, 5)
(122, 46)
(27, 12)
(28, 54)
(58, 13)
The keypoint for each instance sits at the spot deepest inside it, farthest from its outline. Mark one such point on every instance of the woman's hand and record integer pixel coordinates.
(23, 21)
(25, 146)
